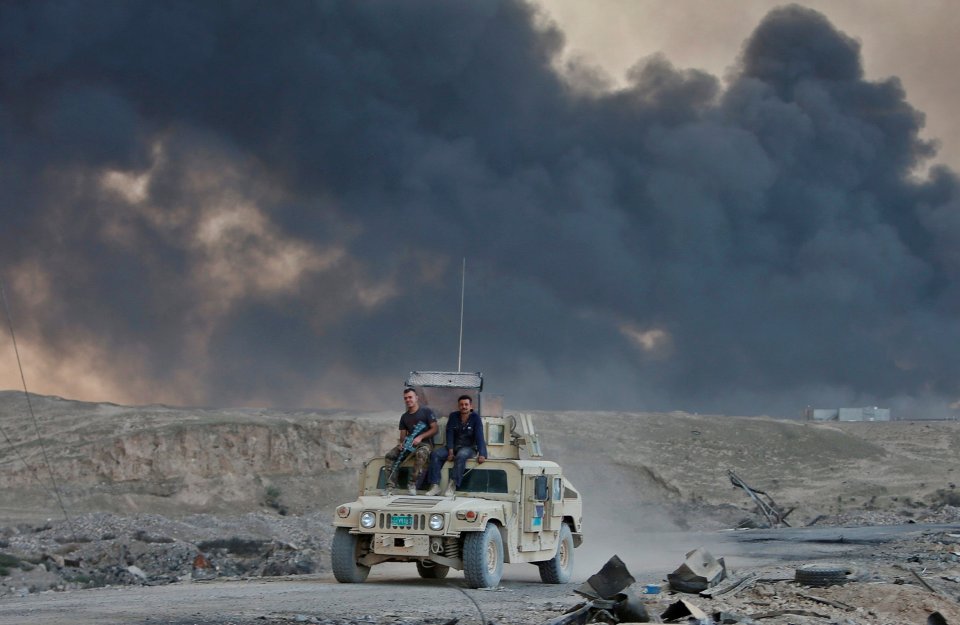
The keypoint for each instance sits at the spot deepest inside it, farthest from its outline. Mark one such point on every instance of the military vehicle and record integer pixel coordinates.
(508, 509)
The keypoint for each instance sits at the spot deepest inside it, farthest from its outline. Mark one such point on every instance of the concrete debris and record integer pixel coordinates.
(577, 615)
(610, 599)
(768, 595)
(608, 581)
(684, 612)
(625, 608)
(698, 572)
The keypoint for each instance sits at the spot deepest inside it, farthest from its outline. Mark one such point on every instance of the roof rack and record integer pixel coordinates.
(446, 379)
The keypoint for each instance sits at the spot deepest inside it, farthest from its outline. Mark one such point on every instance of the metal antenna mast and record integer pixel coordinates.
(33, 416)
(463, 283)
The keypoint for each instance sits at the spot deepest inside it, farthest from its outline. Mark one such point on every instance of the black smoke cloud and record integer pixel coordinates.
(246, 202)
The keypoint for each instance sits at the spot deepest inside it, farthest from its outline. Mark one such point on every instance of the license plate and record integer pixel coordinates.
(402, 520)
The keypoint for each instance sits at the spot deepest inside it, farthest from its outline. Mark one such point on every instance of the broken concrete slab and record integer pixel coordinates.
(610, 599)
(608, 581)
(698, 572)
(682, 611)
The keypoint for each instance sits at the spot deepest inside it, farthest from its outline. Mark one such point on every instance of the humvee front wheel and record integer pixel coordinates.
(343, 557)
(483, 558)
(557, 569)
(431, 570)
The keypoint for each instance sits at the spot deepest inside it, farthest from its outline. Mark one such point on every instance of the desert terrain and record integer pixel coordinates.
(204, 515)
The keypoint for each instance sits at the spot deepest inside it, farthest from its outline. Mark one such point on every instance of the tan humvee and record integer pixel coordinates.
(508, 509)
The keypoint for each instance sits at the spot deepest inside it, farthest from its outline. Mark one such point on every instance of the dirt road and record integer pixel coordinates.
(394, 593)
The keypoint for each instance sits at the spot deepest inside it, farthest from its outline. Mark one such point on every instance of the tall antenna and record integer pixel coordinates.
(33, 416)
(463, 283)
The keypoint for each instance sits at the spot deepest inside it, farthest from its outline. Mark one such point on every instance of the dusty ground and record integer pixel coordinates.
(883, 591)
(211, 516)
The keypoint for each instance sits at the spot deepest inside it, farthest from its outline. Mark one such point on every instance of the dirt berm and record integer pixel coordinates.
(176, 461)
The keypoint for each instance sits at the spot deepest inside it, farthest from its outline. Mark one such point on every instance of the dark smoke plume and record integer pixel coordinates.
(250, 202)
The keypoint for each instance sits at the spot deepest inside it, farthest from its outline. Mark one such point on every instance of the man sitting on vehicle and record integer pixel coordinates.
(464, 441)
(421, 443)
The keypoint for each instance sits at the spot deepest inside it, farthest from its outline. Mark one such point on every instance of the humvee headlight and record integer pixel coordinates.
(343, 512)
(436, 522)
(368, 520)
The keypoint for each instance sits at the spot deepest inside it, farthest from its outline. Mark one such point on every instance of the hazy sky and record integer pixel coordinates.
(716, 207)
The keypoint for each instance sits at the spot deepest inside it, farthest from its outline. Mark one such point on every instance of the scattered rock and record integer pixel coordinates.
(152, 549)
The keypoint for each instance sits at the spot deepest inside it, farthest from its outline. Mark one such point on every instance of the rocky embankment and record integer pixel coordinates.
(174, 461)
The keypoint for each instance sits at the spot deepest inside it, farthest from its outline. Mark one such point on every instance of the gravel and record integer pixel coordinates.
(105, 549)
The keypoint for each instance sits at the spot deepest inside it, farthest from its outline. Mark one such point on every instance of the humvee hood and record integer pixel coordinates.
(422, 502)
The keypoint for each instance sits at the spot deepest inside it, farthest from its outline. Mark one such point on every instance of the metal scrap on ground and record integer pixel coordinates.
(768, 508)
(610, 599)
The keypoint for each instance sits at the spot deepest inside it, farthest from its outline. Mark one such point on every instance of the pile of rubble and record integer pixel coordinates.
(104, 549)
(701, 591)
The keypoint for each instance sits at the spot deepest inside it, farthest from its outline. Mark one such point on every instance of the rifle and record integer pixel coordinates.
(405, 450)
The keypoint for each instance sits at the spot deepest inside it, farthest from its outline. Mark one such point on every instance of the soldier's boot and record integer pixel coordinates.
(433, 490)
(412, 488)
(450, 489)
(388, 490)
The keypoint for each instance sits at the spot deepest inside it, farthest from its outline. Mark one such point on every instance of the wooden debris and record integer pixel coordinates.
(789, 611)
(836, 604)
(924, 582)
(773, 579)
(731, 586)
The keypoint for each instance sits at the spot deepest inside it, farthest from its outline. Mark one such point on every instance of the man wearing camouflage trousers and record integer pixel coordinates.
(423, 442)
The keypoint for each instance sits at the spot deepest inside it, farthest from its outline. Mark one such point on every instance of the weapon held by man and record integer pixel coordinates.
(405, 450)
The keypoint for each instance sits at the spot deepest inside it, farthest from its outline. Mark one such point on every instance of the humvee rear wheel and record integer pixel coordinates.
(343, 557)
(557, 569)
(431, 570)
(483, 558)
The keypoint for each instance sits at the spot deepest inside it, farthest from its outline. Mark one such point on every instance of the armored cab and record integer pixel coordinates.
(515, 507)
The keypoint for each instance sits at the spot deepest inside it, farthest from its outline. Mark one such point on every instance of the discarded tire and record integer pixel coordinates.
(820, 575)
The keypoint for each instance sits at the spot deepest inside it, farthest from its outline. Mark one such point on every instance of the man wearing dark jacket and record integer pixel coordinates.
(464, 441)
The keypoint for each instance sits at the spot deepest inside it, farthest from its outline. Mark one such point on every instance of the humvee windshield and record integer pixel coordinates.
(475, 481)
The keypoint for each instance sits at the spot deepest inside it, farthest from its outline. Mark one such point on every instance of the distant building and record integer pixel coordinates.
(870, 413)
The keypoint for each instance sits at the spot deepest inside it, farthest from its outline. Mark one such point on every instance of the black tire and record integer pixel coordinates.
(431, 570)
(557, 570)
(820, 575)
(483, 558)
(343, 557)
